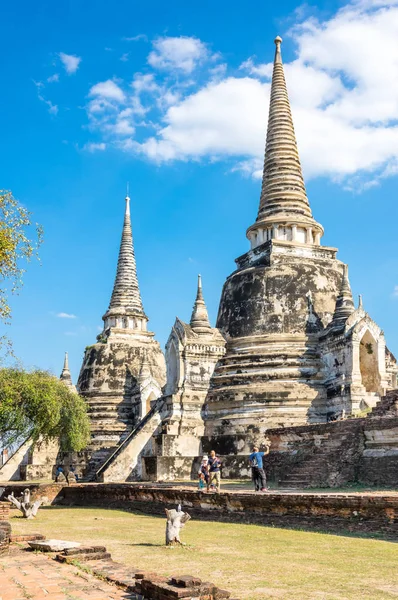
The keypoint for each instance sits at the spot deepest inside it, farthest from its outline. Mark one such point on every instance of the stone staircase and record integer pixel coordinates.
(303, 475)
(387, 407)
(124, 461)
(326, 466)
(111, 421)
(110, 418)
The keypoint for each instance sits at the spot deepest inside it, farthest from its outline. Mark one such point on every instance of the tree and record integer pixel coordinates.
(16, 247)
(36, 404)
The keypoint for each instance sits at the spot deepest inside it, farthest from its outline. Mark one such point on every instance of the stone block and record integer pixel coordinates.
(186, 581)
(53, 545)
(84, 550)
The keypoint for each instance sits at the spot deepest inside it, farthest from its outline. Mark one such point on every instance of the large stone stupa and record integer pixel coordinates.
(295, 351)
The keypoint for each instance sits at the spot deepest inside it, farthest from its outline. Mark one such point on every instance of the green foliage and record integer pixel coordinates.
(39, 405)
(16, 247)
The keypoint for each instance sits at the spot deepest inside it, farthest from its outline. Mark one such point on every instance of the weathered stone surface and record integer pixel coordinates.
(52, 545)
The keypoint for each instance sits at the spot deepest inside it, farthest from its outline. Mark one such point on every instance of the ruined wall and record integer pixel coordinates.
(357, 513)
(356, 450)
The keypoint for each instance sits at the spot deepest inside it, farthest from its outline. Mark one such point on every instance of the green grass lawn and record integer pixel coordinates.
(254, 562)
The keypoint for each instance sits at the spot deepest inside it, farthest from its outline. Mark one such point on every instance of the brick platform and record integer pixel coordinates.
(37, 577)
(146, 585)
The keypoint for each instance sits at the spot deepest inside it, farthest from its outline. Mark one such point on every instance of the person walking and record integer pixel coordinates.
(258, 473)
(214, 472)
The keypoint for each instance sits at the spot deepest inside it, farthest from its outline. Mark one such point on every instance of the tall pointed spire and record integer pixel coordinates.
(65, 376)
(126, 298)
(200, 319)
(284, 206)
(344, 303)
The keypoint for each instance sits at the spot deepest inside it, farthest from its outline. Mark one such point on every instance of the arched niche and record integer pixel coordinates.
(173, 369)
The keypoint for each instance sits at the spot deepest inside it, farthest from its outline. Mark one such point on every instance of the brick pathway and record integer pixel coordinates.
(30, 576)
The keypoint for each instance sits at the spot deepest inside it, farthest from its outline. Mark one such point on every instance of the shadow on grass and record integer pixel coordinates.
(147, 544)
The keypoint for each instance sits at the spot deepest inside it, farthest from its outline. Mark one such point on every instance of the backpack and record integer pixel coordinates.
(253, 461)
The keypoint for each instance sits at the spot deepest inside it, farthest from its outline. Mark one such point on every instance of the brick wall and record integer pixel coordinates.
(4, 511)
(355, 450)
(324, 512)
(5, 533)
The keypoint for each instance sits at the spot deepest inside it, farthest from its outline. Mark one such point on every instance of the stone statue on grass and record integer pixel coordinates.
(23, 503)
(176, 519)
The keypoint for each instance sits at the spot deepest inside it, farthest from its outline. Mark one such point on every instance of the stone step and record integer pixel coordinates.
(109, 414)
(100, 419)
(84, 557)
(84, 550)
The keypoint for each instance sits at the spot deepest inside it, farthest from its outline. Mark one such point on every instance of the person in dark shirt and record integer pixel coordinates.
(258, 473)
(214, 472)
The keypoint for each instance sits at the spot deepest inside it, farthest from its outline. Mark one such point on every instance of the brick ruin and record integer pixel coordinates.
(289, 350)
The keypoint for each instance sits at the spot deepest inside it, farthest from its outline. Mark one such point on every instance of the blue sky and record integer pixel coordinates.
(174, 98)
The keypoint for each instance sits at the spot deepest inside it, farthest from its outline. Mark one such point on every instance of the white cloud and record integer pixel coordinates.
(70, 62)
(94, 147)
(64, 315)
(136, 38)
(52, 108)
(343, 87)
(53, 78)
(108, 90)
(124, 57)
(123, 127)
(144, 83)
(204, 122)
(264, 70)
(177, 53)
(344, 102)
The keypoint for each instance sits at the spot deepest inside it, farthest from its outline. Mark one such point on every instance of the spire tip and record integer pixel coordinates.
(127, 211)
(278, 40)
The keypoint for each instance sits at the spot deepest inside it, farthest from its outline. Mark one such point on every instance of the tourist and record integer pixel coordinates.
(71, 476)
(59, 475)
(203, 472)
(214, 472)
(258, 473)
